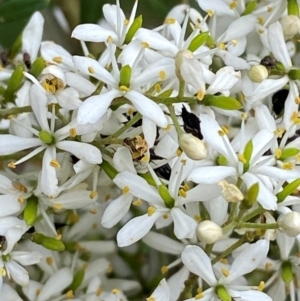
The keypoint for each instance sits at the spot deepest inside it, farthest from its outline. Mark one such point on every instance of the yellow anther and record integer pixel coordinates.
(125, 189)
(278, 153)
(222, 46)
(197, 218)
(199, 290)
(242, 158)
(145, 45)
(54, 163)
(115, 291)
(210, 12)
(91, 70)
(11, 165)
(58, 237)
(93, 194)
(84, 266)
(261, 286)
(19, 186)
(110, 268)
(261, 20)
(295, 118)
(183, 162)
(123, 88)
(98, 291)
(268, 265)
(279, 132)
(126, 22)
(186, 187)
(73, 132)
(58, 206)
(157, 88)
(233, 4)
(57, 59)
(2, 272)
(288, 166)
(200, 95)
(93, 211)
(234, 42)
(73, 218)
(38, 291)
(137, 202)
(225, 129)
(199, 296)
(224, 261)
(244, 116)
(165, 216)
(94, 226)
(10, 117)
(130, 111)
(69, 294)
(164, 269)
(178, 152)
(109, 39)
(150, 299)
(170, 21)
(270, 9)
(297, 100)
(49, 260)
(182, 193)
(150, 211)
(145, 159)
(225, 272)
(20, 199)
(162, 74)
(1, 68)
(298, 157)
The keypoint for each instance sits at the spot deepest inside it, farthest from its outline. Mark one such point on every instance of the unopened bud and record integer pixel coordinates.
(209, 232)
(290, 26)
(258, 73)
(287, 274)
(230, 192)
(137, 24)
(30, 210)
(289, 223)
(125, 76)
(49, 243)
(193, 147)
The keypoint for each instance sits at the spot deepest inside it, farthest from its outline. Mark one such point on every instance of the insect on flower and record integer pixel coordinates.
(191, 123)
(137, 146)
(278, 101)
(268, 61)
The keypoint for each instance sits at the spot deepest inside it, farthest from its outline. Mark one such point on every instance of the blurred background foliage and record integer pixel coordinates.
(14, 14)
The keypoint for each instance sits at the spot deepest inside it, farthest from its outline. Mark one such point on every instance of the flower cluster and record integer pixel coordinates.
(181, 141)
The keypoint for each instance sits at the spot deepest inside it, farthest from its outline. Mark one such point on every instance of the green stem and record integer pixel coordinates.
(175, 120)
(254, 213)
(181, 88)
(262, 226)
(228, 227)
(14, 111)
(189, 284)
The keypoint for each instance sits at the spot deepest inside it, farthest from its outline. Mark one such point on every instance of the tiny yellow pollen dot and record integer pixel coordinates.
(93, 194)
(268, 265)
(178, 152)
(73, 132)
(261, 286)
(197, 218)
(234, 42)
(199, 296)
(244, 116)
(225, 129)
(137, 202)
(123, 88)
(261, 20)
(150, 211)
(93, 211)
(69, 294)
(150, 299)
(98, 291)
(157, 88)
(183, 162)
(162, 74)
(210, 12)
(199, 290)
(270, 9)
(298, 158)
(145, 159)
(54, 163)
(279, 132)
(49, 260)
(58, 237)
(164, 269)
(186, 187)
(115, 291)
(278, 153)
(145, 45)
(91, 70)
(288, 166)
(165, 216)
(126, 22)
(107, 198)
(224, 261)
(73, 218)
(58, 206)
(57, 59)
(19, 186)
(233, 5)
(125, 189)
(242, 158)
(222, 46)
(297, 100)
(225, 272)
(38, 291)
(182, 193)
(109, 39)
(2, 272)
(260, 31)
(170, 21)
(200, 95)
(94, 226)
(20, 199)
(11, 165)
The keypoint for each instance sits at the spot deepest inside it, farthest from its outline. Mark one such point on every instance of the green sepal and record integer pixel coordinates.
(250, 197)
(294, 74)
(166, 93)
(210, 43)
(15, 48)
(249, 8)
(288, 152)
(293, 8)
(165, 195)
(125, 76)
(135, 26)
(30, 210)
(38, 66)
(222, 102)
(77, 280)
(6, 257)
(46, 137)
(148, 177)
(14, 84)
(287, 274)
(198, 41)
(222, 293)
(49, 243)
(221, 160)
(109, 169)
(247, 154)
(287, 190)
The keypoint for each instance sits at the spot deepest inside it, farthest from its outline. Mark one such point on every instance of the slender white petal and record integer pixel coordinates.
(18, 273)
(123, 160)
(26, 258)
(195, 259)
(9, 205)
(184, 225)
(162, 292)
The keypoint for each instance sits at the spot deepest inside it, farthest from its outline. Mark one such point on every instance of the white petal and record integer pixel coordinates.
(123, 160)
(184, 225)
(92, 33)
(264, 118)
(195, 259)
(147, 108)
(95, 107)
(249, 295)
(9, 205)
(18, 273)
(116, 210)
(276, 173)
(26, 258)
(211, 174)
(82, 151)
(149, 130)
(136, 229)
(162, 292)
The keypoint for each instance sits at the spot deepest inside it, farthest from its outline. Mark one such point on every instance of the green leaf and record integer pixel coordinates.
(222, 102)
(91, 10)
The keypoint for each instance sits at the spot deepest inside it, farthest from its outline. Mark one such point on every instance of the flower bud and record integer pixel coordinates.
(209, 232)
(30, 210)
(290, 26)
(136, 24)
(49, 243)
(230, 192)
(193, 147)
(258, 73)
(38, 66)
(53, 79)
(289, 223)
(77, 280)
(287, 274)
